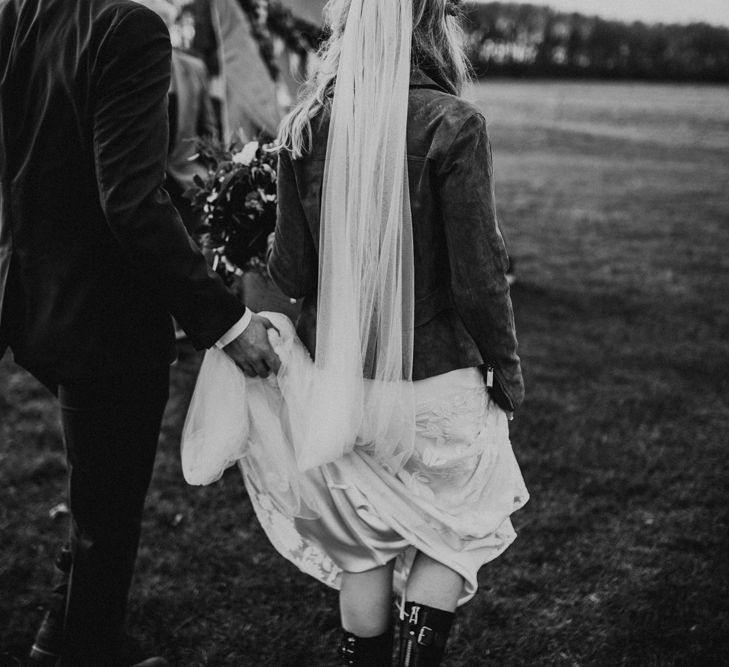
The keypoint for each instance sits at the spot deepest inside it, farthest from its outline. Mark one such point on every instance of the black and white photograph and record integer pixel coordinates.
(364, 333)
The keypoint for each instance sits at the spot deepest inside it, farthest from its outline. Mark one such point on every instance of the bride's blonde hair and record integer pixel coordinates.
(437, 50)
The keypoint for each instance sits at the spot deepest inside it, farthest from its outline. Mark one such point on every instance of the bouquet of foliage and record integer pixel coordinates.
(238, 203)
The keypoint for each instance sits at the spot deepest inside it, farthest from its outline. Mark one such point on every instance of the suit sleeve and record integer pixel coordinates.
(130, 136)
(477, 256)
(294, 262)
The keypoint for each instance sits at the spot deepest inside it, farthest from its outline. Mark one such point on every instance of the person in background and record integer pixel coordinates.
(191, 115)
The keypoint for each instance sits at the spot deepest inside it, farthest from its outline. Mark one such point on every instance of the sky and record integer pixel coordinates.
(650, 11)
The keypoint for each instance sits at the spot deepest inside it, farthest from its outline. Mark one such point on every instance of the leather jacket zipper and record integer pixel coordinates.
(493, 379)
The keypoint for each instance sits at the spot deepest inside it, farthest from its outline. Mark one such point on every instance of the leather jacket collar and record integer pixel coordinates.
(419, 79)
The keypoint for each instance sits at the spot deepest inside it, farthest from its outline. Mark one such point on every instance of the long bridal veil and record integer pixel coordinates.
(365, 306)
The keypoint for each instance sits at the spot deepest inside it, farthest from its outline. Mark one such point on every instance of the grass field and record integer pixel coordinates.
(615, 203)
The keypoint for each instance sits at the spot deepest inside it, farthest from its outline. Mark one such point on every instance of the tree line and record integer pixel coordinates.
(535, 41)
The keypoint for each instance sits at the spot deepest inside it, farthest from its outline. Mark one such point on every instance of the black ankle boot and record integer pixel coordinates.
(48, 642)
(366, 651)
(423, 635)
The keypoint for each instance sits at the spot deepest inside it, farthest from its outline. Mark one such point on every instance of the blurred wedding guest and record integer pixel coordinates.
(167, 11)
(191, 115)
(230, 37)
(245, 86)
(205, 44)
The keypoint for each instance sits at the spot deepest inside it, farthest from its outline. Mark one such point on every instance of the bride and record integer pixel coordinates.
(385, 461)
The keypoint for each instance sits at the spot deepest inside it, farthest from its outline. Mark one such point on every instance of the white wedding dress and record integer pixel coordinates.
(451, 499)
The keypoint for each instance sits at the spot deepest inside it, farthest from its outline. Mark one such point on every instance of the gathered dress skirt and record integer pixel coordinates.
(451, 499)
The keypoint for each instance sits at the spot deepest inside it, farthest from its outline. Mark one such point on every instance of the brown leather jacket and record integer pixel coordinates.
(463, 312)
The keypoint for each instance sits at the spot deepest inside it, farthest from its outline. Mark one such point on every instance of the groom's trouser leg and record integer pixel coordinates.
(111, 427)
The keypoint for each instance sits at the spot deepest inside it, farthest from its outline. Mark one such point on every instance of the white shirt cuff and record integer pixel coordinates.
(236, 330)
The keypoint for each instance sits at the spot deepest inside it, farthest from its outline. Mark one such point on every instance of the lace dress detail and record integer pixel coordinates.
(281, 531)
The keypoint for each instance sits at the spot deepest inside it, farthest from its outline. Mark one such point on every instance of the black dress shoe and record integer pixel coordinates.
(48, 643)
(37, 658)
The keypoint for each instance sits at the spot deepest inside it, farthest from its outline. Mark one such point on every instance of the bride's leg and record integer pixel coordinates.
(431, 598)
(433, 584)
(365, 603)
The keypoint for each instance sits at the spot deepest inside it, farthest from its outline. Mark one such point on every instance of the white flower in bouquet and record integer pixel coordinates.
(247, 154)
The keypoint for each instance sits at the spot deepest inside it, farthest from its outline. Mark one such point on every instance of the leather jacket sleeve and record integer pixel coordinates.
(293, 262)
(477, 257)
(130, 135)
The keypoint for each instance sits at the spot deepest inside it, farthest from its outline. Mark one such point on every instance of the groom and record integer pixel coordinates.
(93, 259)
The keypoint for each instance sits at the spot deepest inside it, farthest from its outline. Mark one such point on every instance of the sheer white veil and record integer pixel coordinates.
(362, 389)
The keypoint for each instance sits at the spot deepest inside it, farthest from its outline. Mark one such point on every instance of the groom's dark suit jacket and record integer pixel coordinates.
(93, 256)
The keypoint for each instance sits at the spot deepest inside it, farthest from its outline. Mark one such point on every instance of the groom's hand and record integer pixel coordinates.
(252, 351)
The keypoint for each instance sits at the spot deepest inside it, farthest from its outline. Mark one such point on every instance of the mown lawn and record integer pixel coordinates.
(615, 203)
